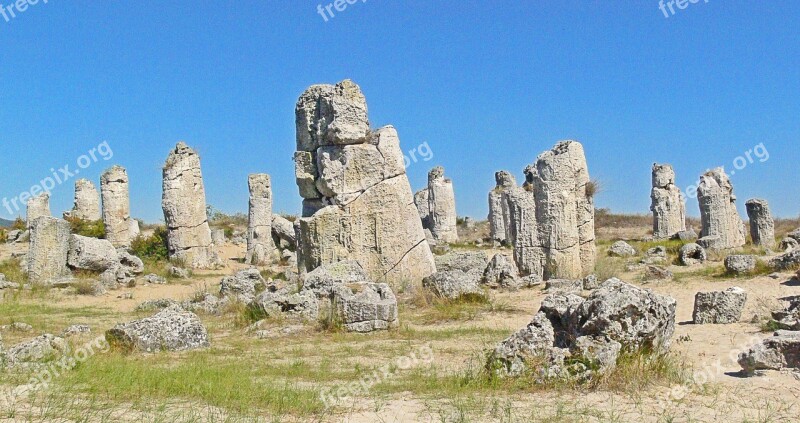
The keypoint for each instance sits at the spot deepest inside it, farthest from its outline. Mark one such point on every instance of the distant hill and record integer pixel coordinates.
(5, 223)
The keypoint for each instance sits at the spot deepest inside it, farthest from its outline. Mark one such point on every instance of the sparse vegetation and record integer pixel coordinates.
(153, 247)
(91, 229)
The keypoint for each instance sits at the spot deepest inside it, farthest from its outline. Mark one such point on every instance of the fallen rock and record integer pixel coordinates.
(655, 255)
(688, 235)
(303, 304)
(178, 272)
(656, 273)
(501, 272)
(454, 284)
(172, 329)
(788, 244)
(740, 264)
(621, 249)
(155, 279)
(786, 261)
(590, 283)
(42, 348)
(465, 261)
(691, 254)
(283, 232)
(243, 285)
(719, 307)
(92, 254)
(775, 353)
(365, 307)
(75, 330)
(563, 286)
(323, 279)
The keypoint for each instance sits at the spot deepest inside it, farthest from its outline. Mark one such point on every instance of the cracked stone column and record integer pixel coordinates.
(762, 225)
(184, 204)
(552, 215)
(48, 250)
(722, 226)
(498, 207)
(87, 202)
(116, 206)
(423, 207)
(357, 201)
(668, 207)
(38, 206)
(259, 228)
(442, 204)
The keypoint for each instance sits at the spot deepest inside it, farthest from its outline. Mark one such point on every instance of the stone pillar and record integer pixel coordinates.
(421, 200)
(48, 250)
(259, 228)
(116, 206)
(184, 204)
(762, 225)
(87, 202)
(668, 207)
(38, 206)
(358, 203)
(552, 215)
(722, 226)
(442, 203)
(498, 209)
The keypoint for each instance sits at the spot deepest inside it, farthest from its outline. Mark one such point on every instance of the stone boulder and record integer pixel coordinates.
(454, 284)
(242, 286)
(688, 235)
(788, 318)
(788, 244)
(303, 305)
(775, 353)
(691, 254)
(365, 307)
(283, 233)
(786, 261)
(92, 254)
(563, 286)
(172, 329)
(40, 349)
(323, 279)
(740, 264)
(501, 272)
(719, 307)
(653, 272)
(621, 249)
(466, 261)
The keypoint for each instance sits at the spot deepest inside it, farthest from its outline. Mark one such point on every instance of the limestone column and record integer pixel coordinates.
(722, 228)
(116, 206)
(668, 207)
(87, 202)
(498, 210)
(48, 250)
(442, 203)
(259, 229)
(762, 225)
(38, 206)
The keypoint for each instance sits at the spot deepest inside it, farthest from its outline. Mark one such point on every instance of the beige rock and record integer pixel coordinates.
(184, 204)
(259, 230)
(38, 206)
(87, 202)
(116, 206)
(722, 226)
(668, 206)
(442, 203)
(48, 250)
(762, 225)
(331, 115)
(498, 207)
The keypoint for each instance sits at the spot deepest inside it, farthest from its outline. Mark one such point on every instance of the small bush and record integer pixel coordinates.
(153, 247)
(19, 224)
(13, 271)
(91, 229)
(593, 188)
(3, 235)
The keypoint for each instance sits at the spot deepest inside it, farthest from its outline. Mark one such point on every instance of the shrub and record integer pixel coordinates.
(153, 247)
(91, 229)
(19, 224)
(3, 235)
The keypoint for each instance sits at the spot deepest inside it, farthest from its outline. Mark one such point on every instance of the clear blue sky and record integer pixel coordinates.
(489, 85)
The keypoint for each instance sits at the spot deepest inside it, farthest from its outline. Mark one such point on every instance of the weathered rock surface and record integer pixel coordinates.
(422, 201)
(501, 273)
(786, 261)
(788, 318)
(687, 235)
(87, 202)
(691, 254)
(775, 353)
(498, 207)
(367, 212)
(38, 206)
(92, 254)
(668, 207)
(788, 244)
(454, 284)
(116, 205)
(323, 279)
(365, 307)
(442, 205)
(617, 317)
(653, 272)
(719, 307)
(37, 350)
(243, 285)
(283, 232)
(48, 250)
(172, 329)
(564, 286)
(259, 228)
(762, 225)
(621, 249)
(466, 261)
(303, 304)
(739, 264)
(218, 237)
(184, 204)
(722, 226)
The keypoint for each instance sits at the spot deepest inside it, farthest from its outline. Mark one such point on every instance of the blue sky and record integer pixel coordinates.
(488, 85)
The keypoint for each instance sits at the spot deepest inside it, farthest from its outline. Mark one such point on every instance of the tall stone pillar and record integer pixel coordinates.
(116, 206)
(668, 207)
(498, 209)
(48, 250)
(722, 226)
(762, 225)
(259, 228)
(87, 202)
(442, 204)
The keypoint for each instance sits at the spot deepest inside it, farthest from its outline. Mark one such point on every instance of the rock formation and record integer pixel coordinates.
(184, 204)
(498, 207)
(442, 206)
(421, 200)
(87, 202)
(358, 203)
(172, 329)
(722, 226)
(116, 206)
(552, 216)
(259, 227)
(762, 225)
(48, 250)
(668, 207)
(38, 206)
(719, 307)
